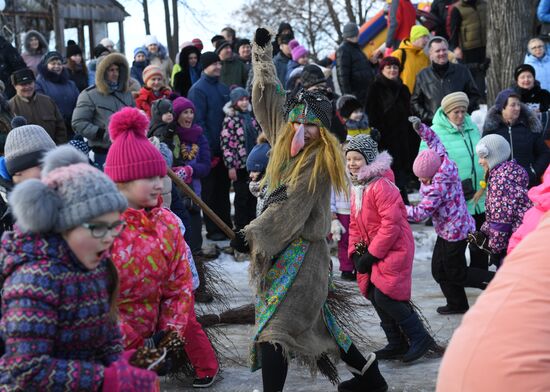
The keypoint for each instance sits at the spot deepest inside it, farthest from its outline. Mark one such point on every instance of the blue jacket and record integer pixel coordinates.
(543, 12)
(542, 68)
(136, 71)
(281, 62)
(209, 95)
(60, 88)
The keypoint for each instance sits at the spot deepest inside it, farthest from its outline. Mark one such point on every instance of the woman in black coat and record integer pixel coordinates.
(522, 129)
(388, 109)
(189, 61)
(533, 95)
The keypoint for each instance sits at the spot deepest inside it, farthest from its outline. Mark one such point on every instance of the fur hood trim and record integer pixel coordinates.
(494, 120)
(42, 48)
(104, 64)
(377, 168)
(229, 110)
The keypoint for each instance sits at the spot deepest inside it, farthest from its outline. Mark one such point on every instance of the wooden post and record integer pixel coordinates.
(121, 36)
(58, 27)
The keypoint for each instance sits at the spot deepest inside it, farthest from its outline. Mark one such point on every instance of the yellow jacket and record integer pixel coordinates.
(415, 61)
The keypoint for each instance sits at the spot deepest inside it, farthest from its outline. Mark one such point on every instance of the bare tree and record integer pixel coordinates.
(510, 25)
(176, 30)
(145, 5)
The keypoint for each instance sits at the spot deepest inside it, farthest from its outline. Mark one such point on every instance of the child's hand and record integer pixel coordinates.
(336, 229)
(415, 121)
(232, 174)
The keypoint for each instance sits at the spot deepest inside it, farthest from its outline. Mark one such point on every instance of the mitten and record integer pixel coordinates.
(121, 376)
(262, 37)
(479, 239)
(336, 229)
(154, 340)
(364, 263)
(239, 242)
(185, 173)
(415, 121)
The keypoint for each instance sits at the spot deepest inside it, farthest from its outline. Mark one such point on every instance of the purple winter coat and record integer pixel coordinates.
(443, 199)
(505, 204)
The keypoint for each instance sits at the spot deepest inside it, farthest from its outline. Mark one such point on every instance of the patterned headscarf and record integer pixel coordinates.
(309, 107)
(365, 145)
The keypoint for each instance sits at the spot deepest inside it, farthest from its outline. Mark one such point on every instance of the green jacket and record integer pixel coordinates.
(461, 148)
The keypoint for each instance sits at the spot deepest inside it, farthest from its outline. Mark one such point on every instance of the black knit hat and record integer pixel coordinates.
(72, 49)
(347, 104)
(220, 45)
(364, 145)
(99, 50)
(209, 58)
(241, 42)
(524, 68)
(22, 76)
(53, 55)
(216, 38)
(285, 39)
(309, 107)
(312, 75)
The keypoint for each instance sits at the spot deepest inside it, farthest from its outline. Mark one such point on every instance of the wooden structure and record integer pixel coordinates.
(57, 15)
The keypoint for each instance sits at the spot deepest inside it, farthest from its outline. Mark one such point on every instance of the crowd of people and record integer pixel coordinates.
(101, 253)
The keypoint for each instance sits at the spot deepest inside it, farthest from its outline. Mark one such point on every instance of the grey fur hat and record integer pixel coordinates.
(71, 192)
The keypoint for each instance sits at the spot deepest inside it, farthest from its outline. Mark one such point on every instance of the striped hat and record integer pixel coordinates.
(150, 71)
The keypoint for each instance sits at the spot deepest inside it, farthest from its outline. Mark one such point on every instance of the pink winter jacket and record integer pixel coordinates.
(502, 342)
(540, 196)
(379, 219)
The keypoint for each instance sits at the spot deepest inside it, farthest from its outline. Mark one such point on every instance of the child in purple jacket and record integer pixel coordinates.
(443, 200)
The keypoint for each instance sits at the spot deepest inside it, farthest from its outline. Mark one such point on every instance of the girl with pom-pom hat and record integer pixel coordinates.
(59, 285)
(156, 294)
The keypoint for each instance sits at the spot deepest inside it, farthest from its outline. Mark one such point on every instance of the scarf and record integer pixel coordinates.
(250, 132)
(189, 135)
(113, 86)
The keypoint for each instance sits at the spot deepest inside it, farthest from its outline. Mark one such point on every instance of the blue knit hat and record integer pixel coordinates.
(258, 158)
(141, 49)
(236, 94)
(502, 98)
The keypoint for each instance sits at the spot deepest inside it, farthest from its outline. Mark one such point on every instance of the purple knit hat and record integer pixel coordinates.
(180, 104)
(298, 52)
(426, 164)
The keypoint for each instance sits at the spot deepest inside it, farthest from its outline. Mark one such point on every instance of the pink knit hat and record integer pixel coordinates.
(426, 164)
(299, 51)
(132, 156)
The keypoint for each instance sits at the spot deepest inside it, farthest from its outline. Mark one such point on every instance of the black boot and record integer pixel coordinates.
(419, 339)
(397, 343)
(477, 277)
(368, 379)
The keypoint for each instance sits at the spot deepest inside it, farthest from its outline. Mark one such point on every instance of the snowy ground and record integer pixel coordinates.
(419, 376)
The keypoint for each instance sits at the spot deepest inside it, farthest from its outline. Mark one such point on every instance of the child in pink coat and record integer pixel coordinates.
(381, 246)
(156, 293)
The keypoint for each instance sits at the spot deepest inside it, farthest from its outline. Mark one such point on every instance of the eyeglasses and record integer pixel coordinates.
(537, 47)
(100, 230)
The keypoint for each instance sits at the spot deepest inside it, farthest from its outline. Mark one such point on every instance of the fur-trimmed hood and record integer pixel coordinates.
(42, 48)
(104, 64)
(229, 110)
(377, 168)
(495, 121)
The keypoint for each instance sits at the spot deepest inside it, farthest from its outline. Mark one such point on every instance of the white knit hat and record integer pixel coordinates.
(150, 40)
(494, 148)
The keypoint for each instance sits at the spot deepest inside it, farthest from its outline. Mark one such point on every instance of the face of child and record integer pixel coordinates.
(155, 83)
(354, 162)
(254, 175)
(484, 164)
(302, 60)
(242, 104)
(27, 174)
(88, 249)
(142, 193)
(357, 115)
(311, 132)
(140, 57)
(185, 120)
(193, 59)
(167, 117)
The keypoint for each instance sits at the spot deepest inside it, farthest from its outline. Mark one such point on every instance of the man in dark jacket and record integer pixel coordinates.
(354, 71)
(209, 96)
(10, 61)
(440, 79)
(283, 57)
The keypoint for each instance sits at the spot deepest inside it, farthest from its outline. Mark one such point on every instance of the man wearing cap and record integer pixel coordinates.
(283, 57)
(439, 79)
(99, 102)
(234, 71)
(354, 71)
(209, 96)
(411, 55)
(36, 108)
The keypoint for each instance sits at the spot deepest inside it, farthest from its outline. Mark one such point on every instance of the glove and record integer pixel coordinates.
(415, 121)
(262, 37)
(479, 239)
(363, 263)
(185, 173)
(239, 242)
(388, 52)
(154, 340)
(121, 376)
(336, 229)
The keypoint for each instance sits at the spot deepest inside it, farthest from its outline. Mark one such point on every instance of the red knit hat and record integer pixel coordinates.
(132, 156)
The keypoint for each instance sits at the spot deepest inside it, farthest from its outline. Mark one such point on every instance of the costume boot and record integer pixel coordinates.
(368, 379)
(477, 277)
(420, 340)
(397, 343)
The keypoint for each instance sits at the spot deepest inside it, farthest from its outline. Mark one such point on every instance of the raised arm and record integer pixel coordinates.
(429, 136)
(268, 94)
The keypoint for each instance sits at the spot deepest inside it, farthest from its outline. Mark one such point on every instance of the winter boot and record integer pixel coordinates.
(420, 340)
(397, 343)
(367, 379)
(477, 277)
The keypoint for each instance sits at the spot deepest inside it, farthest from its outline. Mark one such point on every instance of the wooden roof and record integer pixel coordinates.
(96, 10)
